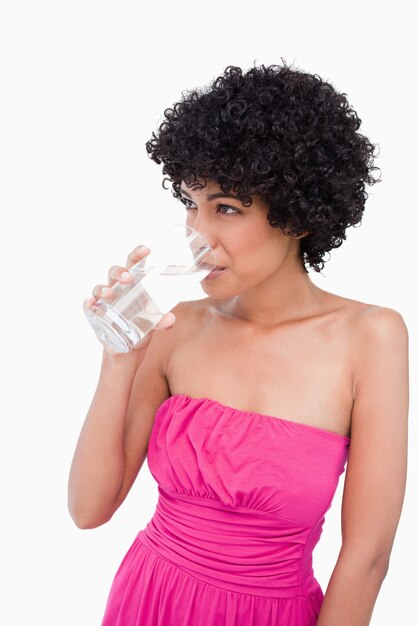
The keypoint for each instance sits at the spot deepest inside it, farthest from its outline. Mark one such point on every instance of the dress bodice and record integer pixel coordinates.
(242, 495)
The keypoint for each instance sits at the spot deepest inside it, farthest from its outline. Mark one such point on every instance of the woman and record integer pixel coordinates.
(248, 408)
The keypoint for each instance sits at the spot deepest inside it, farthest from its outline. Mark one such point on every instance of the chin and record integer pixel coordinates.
(219, 292)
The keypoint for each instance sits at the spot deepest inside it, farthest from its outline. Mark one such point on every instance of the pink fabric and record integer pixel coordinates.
(242, 499)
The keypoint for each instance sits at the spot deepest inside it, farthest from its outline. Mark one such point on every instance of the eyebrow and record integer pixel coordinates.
(212, 196)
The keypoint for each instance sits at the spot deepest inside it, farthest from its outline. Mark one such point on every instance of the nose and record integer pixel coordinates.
(200, 250)
(201, 225)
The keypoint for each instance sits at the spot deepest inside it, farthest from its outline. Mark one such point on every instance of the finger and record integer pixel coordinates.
(98, 291)
(115, 274)
(139, 253)
(89, 303)
(121, 274)
(118, 274)
(166, 321)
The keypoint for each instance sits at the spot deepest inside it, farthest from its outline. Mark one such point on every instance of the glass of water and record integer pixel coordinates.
(178, 261)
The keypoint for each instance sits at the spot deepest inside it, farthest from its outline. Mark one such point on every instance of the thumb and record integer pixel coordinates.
(166, 321)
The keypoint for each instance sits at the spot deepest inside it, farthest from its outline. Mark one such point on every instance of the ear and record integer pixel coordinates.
(300, 236)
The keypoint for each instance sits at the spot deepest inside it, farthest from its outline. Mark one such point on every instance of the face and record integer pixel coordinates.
(242, 238)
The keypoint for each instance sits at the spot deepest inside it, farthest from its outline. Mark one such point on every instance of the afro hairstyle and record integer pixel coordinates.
(280, 133)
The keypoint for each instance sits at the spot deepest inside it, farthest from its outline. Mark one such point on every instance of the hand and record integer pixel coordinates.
(121, 274)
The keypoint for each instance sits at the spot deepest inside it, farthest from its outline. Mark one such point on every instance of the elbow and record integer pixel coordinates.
(374, 564)
(86, 520)
(380, 565)
(87, 524)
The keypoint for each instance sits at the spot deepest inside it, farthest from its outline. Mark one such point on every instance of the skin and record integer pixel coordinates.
(265, 281)
(267, 302)
(309, 356)
(267, 340)
(121, 274)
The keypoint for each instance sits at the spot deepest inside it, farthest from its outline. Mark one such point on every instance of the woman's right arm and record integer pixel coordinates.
(113, 442)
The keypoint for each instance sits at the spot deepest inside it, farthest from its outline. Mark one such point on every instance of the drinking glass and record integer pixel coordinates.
(177, 262)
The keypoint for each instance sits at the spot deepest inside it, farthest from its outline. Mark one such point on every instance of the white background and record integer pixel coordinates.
(83, 85)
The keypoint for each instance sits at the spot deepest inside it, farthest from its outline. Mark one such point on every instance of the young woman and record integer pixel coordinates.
(249, 406)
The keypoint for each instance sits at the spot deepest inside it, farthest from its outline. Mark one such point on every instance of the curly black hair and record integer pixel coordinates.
(280, 133)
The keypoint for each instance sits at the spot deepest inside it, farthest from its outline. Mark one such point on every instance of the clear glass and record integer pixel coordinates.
(177, 262)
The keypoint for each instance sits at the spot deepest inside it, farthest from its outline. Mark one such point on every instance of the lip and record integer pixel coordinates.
(215, 273)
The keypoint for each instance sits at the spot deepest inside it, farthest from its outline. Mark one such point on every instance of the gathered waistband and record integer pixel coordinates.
(245, 551)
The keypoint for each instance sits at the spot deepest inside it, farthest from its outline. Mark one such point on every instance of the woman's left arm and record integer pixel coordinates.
(376, 470)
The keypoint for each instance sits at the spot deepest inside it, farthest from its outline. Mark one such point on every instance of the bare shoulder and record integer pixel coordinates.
(376, 334)
(374, 321)
(363, 317)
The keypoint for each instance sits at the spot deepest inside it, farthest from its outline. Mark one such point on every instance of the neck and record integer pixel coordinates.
(287, 295)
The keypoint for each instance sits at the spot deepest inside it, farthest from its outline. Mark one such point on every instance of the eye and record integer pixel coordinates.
(219, 206)
(184, 201)
(225, 206)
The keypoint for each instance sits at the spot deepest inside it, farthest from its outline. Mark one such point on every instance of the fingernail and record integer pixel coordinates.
(125, 275)
(170, 319)
(106, 291)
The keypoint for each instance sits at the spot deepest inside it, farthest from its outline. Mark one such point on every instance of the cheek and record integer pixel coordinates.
(257, 252)
(248, 241)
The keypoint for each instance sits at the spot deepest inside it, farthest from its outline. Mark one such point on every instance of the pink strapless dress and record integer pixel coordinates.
(242, 500)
